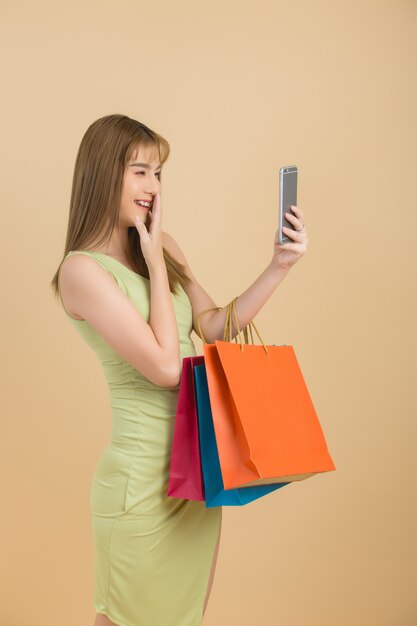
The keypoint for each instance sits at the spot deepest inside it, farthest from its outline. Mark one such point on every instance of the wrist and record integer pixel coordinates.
(276, 270)
(157, 266)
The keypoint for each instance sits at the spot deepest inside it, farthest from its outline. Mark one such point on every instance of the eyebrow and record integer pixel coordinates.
(146, 165)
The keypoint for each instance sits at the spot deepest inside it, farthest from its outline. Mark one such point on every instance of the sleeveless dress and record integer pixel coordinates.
(152, 552)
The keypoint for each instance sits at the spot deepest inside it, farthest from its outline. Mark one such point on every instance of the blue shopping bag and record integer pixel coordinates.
(214, 491)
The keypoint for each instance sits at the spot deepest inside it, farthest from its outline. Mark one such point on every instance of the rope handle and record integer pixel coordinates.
(217, 308)
(228, 327)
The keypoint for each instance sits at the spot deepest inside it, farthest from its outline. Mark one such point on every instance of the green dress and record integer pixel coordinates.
(152, 552)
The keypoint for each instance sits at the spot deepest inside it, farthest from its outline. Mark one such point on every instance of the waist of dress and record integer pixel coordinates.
(124, 446)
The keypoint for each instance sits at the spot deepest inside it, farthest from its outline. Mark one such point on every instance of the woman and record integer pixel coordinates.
(130, 293)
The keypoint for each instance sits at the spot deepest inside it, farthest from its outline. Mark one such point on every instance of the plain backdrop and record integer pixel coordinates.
(239, 89)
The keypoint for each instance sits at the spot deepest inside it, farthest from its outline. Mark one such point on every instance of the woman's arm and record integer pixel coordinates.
(162, 317)
(89, 291)
(250, 302)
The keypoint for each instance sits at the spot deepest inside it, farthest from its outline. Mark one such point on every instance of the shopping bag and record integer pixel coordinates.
(266, 426)
(185, 474)
(215, 493)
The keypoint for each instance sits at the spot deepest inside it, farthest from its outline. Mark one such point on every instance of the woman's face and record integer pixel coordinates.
(141, 181)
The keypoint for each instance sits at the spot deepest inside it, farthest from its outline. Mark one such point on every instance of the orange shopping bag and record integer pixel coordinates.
(266, 427)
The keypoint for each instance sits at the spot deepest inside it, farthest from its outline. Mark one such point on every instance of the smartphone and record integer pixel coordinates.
(287, 197)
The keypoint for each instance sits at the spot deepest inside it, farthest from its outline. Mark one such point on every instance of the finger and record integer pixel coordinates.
(140, 226)
(293, 219)
(297, 211)
(156, 202)
(155, 217)
(294, 234)
(151, 212)
(293, 246)
(156, 205)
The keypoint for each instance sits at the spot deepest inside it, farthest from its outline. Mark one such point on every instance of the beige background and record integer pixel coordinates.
(238, 89)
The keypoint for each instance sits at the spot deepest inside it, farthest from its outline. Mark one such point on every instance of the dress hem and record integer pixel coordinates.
(116, 623)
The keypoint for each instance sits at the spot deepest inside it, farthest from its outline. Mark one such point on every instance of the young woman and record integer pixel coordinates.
(128, 290)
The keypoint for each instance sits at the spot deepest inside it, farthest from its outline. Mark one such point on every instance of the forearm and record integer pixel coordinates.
(248, 304)
(163, 320)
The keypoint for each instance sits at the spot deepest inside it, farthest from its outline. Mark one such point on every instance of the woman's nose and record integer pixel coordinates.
(152, 187)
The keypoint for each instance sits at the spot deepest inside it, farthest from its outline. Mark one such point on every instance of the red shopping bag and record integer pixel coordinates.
(185, 476)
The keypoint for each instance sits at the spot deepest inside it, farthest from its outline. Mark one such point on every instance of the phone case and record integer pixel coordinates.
(287, 196)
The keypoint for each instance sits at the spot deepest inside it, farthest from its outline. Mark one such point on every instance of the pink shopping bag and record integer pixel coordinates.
(185, 474)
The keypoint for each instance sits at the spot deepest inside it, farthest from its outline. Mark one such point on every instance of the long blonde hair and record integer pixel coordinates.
(105, 150)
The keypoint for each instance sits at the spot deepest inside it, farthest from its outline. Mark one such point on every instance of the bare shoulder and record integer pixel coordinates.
(77, 265)
(170, 244)
(200, 299)
(173, 248)
(77, 273)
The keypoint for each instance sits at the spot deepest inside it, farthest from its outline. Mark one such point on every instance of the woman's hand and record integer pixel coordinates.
(287, 254)
(151, 242)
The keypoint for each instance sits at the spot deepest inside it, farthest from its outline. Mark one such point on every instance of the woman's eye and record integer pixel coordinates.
(157, 174)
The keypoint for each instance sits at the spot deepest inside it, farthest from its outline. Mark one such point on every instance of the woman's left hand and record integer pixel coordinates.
(287, 254)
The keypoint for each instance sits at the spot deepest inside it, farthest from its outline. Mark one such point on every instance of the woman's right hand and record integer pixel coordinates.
(151, 242)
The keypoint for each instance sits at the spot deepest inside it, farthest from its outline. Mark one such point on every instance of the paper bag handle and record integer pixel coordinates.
(228, 327)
